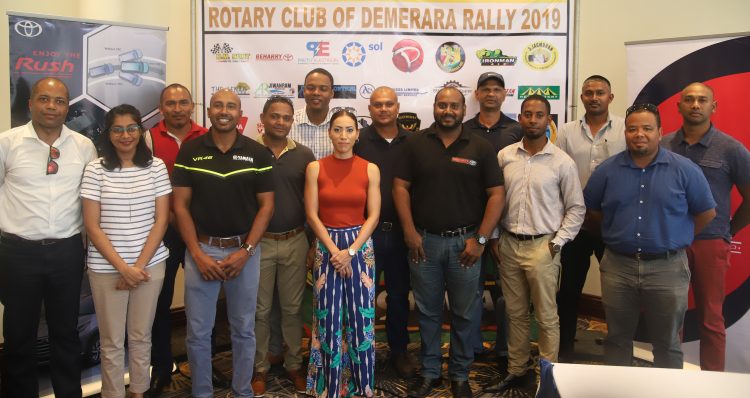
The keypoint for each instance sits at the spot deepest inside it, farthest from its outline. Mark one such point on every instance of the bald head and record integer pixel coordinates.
(697, 86)
(384, 107)
(696, 106)
(224, 111)
(49, 82)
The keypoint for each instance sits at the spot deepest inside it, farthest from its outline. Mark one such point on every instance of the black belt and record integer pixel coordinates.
(449, 233)
(525, 237)
(40, 242)
(649, 256)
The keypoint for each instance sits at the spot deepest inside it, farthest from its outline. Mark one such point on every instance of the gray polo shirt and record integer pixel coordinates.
(289, 180)
(725, 162)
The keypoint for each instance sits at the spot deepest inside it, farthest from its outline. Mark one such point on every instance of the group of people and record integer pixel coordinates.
(438, 211)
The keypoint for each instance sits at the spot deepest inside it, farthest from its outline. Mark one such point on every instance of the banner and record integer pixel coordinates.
(264, 48)
(103, 65)
(657, 73)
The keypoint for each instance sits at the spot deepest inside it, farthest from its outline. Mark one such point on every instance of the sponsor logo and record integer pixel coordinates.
(321, 54)
(242, 124)
(465, 90)
(548, 92)
(28, 28)
(274, 57)
(408, 91)
(470, 162)
(241, 88)
(495, 58)
(266, 90)
(29, 65)
(366, 90)
(407, 55)
(199, 158)
(243, 158)
(540, 55)
(353, 54)
(510, 92)
(450, 57)
(225, 53)
(409, 121)
(343, 91)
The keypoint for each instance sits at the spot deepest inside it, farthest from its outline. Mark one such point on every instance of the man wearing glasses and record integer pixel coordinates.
(41, 248)
(310, 126)
(649, 203)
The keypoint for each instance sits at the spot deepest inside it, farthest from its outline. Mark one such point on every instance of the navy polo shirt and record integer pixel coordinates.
(372, 147)
(224, 185)
(725, 162)
(648, 210)
(505, 132)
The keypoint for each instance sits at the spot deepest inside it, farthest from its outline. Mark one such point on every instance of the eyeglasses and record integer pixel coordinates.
(642, 107)
(349, 109)
(52, 166)
(131, 129)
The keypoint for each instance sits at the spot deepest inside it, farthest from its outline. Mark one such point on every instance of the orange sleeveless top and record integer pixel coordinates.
(342, 191)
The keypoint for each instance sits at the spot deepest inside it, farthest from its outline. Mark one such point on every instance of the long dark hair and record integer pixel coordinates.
(110, 160)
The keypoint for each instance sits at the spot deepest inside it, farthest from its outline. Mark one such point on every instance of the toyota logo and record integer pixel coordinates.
(28, 28)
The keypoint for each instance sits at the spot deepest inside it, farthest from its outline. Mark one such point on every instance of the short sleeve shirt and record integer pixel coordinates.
(505, 132)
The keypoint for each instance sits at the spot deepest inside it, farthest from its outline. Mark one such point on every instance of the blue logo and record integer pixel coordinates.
(353, 54)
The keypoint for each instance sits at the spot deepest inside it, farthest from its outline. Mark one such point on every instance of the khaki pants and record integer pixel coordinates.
(282, 265)
(528, 272)
(116, 310)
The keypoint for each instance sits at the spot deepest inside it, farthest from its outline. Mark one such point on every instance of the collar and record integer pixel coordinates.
(208, 141)
(30, 132)
(476, 124)
(306, 120)
(627, 161)
(195, 128)
(371, 133)
(432, 131)
(704, 141)
(290, 143)
(548, 147)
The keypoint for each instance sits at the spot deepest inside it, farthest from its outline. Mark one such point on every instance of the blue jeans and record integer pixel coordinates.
(660, 288)
(442, 272)
(200, 309)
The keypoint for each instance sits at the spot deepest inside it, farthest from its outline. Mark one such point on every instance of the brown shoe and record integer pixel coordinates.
(275, 359)
(298, 379)
(404, 364)
(259, 384)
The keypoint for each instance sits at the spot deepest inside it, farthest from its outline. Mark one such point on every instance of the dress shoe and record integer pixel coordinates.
(219, 380)
(510, 381)
(460, 389)
(423, 387)
(404, 364)
(298, 378)
(275, 359)
(259, 383)
(159, 381)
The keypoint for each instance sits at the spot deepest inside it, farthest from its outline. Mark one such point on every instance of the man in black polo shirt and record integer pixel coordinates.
(381, 144)
(449, 195)
(223, 194)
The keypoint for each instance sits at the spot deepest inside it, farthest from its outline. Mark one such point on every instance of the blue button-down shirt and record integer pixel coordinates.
(648, 210)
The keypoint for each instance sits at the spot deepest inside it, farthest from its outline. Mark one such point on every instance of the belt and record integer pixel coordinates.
(40, 242)
(284, 235)
(449, 233)
(525, 237)
(229, 241)
(649, 256)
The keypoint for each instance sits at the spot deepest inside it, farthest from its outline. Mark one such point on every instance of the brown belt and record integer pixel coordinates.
(284, 235)
(229, 241)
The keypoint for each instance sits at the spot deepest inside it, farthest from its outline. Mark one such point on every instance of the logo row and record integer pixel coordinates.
(407, 55)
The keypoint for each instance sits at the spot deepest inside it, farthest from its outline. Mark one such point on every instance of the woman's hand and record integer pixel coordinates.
(341, 259)
(133, 276)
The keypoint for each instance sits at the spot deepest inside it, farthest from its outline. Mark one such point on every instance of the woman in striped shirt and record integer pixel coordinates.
(125, 211)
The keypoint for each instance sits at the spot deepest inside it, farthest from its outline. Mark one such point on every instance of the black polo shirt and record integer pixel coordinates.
(448, 185)
(375, 149)
(505, 132)
(224, 185)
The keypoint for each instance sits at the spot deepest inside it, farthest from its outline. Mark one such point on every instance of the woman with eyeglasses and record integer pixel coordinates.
(125, 211)
(342, 202)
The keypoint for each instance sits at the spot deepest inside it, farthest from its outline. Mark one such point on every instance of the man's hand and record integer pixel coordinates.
(210, 269)
(414, 243)
(472, 251)
(234, 263)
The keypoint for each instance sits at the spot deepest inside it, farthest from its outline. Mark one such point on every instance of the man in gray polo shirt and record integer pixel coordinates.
(283, 246)
(725, 162)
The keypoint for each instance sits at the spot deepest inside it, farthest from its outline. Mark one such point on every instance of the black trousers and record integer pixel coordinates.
(32, 274)
(391, 256)
(576, 260)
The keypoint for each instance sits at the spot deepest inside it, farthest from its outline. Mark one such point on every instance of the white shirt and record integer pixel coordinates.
(590, 151)
(313, 136)
(127, 200)
(542, 192)
(34, 205)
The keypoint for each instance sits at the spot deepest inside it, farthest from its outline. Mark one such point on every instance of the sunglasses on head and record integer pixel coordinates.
(345, 109)
(642, 107)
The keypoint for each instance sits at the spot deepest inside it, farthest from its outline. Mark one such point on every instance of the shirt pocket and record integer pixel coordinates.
(714, 170)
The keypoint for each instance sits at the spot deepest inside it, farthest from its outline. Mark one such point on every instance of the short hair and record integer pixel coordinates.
(277, 99)
(598, 78)
(537, 97)
(322, 72)
(644, 107)
(110, 160)
(39, 82)
(343, 112)
(171, 86)
(463, 98)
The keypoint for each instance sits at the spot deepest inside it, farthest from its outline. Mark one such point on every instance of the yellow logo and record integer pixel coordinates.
(540, 55)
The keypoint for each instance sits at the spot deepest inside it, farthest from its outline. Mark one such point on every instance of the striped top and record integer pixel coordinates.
(128, 204)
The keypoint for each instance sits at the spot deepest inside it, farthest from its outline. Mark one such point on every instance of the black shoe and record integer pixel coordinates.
(461, 389)
(510, 381)
(159, 382)
(219, 380)
(422, 387)
(404, 364)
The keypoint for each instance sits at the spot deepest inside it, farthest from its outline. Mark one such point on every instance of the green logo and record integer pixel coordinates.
(548, 92)
(495, 58)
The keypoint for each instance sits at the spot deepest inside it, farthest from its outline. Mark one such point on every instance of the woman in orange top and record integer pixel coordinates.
(342, 201)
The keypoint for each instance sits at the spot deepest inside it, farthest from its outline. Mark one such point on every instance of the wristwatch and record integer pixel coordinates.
(555, 247)
(481, 239)
(250, 249)
(352, 252)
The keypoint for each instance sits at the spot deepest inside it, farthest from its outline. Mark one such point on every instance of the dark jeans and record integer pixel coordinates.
(576, 260)
(489, 270)
(161, 332)
(32, 274)
(391, 256)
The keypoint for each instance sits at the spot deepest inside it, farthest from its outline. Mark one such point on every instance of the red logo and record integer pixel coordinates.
(407, 55)
(30, 65)
(242, 124)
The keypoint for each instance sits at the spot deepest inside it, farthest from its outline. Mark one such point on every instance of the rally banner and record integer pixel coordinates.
(103, 64)
(264, 48)
(657, 73)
